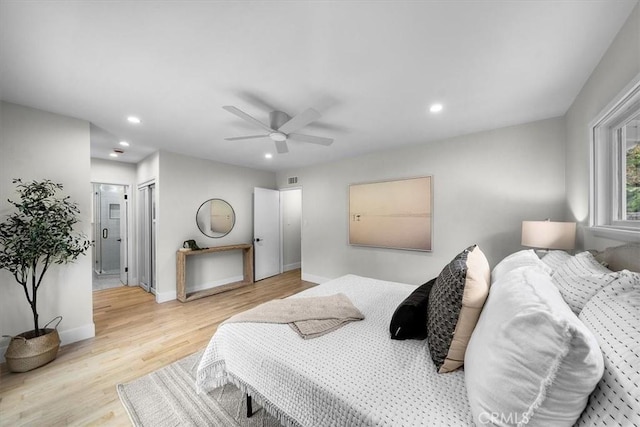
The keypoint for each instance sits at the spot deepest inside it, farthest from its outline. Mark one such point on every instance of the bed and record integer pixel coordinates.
(358, 376)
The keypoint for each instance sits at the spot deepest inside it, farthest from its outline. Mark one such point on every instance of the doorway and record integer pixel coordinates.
(109, 235)
(291, 228)
(277, 219)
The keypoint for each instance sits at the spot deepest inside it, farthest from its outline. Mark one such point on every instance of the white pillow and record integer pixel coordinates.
(555, 259)
(524, 258)
(583, 263)
(580, 278)
(530, 360)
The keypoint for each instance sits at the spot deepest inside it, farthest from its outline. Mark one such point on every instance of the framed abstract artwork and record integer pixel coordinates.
(392, 214)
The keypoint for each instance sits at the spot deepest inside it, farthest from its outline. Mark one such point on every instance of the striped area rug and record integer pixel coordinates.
(167, 397)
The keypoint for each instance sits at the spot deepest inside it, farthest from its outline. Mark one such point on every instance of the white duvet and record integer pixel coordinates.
(354, 376)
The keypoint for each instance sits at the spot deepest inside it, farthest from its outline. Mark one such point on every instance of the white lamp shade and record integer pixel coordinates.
(549, 234)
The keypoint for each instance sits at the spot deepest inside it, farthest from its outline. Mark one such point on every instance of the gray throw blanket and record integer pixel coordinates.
(310, 317)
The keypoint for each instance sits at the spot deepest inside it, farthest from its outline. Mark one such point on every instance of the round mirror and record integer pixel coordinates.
(215, 218)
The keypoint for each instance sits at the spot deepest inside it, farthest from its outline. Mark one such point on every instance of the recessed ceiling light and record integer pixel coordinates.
(124, 143)
(133, 119)
(268, 156)
(435, 108)
(113, 154)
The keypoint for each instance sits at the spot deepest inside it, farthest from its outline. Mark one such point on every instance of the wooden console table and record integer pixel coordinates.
(181, 271)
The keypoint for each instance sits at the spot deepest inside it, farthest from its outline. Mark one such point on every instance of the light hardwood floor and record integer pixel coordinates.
(134, 336)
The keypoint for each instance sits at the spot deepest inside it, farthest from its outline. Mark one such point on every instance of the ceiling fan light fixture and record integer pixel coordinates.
(278, 136)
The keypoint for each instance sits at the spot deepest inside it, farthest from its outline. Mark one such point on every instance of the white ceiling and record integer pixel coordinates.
(372, 68)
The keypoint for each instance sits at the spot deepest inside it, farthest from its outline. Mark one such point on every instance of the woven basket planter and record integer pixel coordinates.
(27, 352)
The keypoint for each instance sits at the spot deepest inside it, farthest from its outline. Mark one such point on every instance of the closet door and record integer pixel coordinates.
(147, 235)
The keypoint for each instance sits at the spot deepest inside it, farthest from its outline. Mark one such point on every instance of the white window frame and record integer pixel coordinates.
(607, 199)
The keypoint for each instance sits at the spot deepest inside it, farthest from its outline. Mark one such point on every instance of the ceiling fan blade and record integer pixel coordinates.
(238, 138)
(245, 116)
(281, 147)
(301, 120)
(310, 138)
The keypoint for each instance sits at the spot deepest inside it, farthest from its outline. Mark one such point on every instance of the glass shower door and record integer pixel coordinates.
(108, 211)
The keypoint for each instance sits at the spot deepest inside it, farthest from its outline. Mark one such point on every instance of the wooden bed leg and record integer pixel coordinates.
(249, 408)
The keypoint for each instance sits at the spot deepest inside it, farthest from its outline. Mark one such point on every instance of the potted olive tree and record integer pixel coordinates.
(38, 234)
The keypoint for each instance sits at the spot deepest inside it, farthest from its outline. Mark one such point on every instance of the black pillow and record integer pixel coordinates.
(409, 321)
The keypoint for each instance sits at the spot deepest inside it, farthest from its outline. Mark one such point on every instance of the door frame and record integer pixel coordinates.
(124, 236)
(282, 225)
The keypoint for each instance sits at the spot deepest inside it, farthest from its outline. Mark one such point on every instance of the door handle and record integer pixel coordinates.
(119, 240)
(105, 233)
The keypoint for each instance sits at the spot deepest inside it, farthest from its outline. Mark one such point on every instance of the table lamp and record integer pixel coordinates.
(549, 234)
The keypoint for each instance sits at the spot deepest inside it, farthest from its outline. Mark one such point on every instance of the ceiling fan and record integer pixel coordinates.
(283, 127)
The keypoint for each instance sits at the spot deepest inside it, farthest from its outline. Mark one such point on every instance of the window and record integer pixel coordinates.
(629, 140)
(615, 168)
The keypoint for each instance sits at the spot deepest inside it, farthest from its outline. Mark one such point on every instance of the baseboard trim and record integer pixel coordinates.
(66, 337)
(77, 334)
(290, 267)
(166, 296)
(314, 279)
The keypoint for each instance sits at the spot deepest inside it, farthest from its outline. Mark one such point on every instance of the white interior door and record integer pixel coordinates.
(266, 232)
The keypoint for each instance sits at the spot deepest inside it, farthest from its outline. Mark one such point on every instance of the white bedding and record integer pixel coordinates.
(353, 376)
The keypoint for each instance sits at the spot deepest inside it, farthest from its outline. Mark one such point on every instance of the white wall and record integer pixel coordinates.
(148, 169)
(291, 213)
(113, 172)
(484, 185)
(619, 65)
(185, 183)
(37, 145)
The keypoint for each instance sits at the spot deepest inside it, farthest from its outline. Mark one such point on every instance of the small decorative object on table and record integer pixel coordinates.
(190, 244)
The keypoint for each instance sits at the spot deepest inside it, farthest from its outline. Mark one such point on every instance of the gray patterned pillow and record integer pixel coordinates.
(455, 303)
(554, 259)
(580, 278)
(613, 315)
